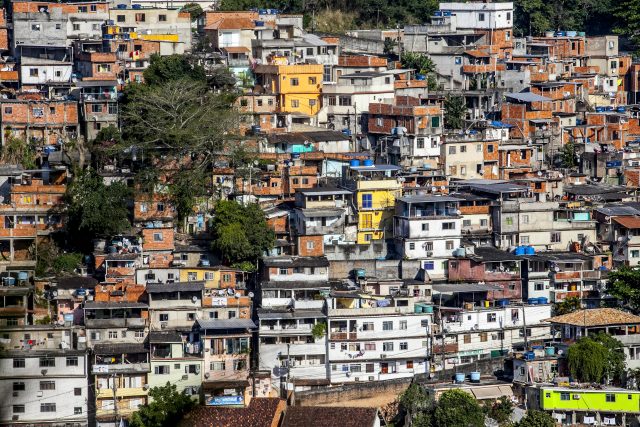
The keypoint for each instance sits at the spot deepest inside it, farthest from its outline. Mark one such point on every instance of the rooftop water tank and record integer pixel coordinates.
(520, 250)
(368, 162)
(354, 163)
(460, 378)
(529, 250)
(475, 377)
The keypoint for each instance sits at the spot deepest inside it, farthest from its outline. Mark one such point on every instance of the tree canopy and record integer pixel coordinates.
(567, 305)
(193, 9)
(163, 69)
(457, 408)
(624, 284)
(454, 112)
(596, 359)
(240, 232)
(535, 418)
(165, 410)
(96, 209)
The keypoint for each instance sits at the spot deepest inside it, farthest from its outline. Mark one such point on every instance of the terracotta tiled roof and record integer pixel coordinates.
(231, 24)
(236, 49)
(477, 53)
(317, 416)
(596, 317)
(630, 222)
(261, 412)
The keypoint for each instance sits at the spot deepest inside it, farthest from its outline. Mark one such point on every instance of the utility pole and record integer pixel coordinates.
(114, 387)
(286, 385)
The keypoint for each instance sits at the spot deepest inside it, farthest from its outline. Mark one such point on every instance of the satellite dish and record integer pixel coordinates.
(251, 295)
(539, 173)
(237, 295)
(434, 189)
(230, 291)
(442, 188)
(221, 292)
(194, 298)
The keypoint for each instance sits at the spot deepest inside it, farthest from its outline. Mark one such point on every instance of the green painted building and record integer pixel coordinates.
(607, 406)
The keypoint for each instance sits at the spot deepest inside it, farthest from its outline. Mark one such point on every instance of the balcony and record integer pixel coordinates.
(116, 323)
(448, 348)
(342, 336)
(121, 368)
(483, 68)
(567, 275)
(107, 393)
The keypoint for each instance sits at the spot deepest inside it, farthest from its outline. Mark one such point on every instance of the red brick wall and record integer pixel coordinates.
(150, 244)
(316, 242)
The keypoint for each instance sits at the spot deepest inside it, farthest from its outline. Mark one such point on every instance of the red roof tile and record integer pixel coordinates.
(261, 412)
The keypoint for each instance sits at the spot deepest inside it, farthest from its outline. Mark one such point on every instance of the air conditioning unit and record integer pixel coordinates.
(16, 394)
(15, 418)
(383, 356)
(39, 394)
(185, 377)
(576, 397)
(357, 378)
(429, 253)
(163, 325)
(372, 378)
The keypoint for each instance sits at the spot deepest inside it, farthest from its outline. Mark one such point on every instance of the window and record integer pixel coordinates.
(77, 391)
(18, 386)
(387, 325)
(97, 108)
(419, 143)
(610, 397)
(555, 237)
(284, 271)
(313, 80)
(192, 276)
(104, 68)
(231, 314)
(76, 27)
(295, 81)
(162, 370)
(47, 385)
(8, 110)
(77, 410)
(489, 148)
(113, 334)
(491, 317)
(47, 362)
(72, 361)
(344, 101)
(367, 201)
(121, 18)
(463, 148)
(429, 265)
(310, 245)
(162, 18)
(466, 223)
(191, 316)
(387, 346)
(35, 27)
(18, 409)
(448, 225)
(140, 17)
(404, 345)
(209, 276)
(425, 226)
(33, 72)
(82, 9)
(508, 220)
(355, 367)
(483, 337)
(295, 103)
(157, 237)
(524, 240)
(164, 317)
(312, 103)
(452, 149)
(19, 363)
(435, 122)
(58, 26)
(483, 223)
(635, 254)
(525, 219)
(217, 366)
(47, 407)
(480, 16)
(403, 325)
(467, 339)
(565, 396)
(538, 286)
(508, 16)
(367, 326)
(412, 246)
(95, 336)
(449, 245)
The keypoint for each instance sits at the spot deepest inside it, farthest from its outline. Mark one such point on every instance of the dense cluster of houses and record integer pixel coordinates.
(403, 249)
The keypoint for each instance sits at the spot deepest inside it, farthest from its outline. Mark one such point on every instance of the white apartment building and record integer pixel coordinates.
(45, 387)
(372, 338)
(428, 228)
(480, 16)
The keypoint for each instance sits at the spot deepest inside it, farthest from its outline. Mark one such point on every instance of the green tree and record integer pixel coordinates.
(501, 411)
(240, 232)
(221, 78)
(193, 9)
(587, 360)
(566, 306)
(615, 366)
(627, 14)
(95, 209)
(624, 284)
(67, 263)
(163, 69)
(455, 110)
(568, 155)
(166, 409)
(419, 62)
(457, 408)
(535, 418)
(319, 330)
(17, 151)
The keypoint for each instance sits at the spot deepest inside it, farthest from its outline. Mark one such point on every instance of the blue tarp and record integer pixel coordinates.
(497, 124)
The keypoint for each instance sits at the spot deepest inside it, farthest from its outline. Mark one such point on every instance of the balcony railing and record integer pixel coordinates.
(343, 336)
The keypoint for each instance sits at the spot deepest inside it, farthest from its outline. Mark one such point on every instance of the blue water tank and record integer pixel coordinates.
(110, 22)
(599, 109)
(368, 162)
(121, 6)
(262, 11)
(360, 273)
(621, 109)
(475, 377)
(503, 302)
(23, 275)
(529, 355)
(255, 129)
(136, 6)
(259, 24)
(346, 131)
(609, 108)
(532, 301)
(421, 77)
(446, 13)
(354, 163)
(549, 351)
(520, 250)
(108, 36)
(529, 250)
(572, 33)
(543, 300)
(460, 378)
(437, 13)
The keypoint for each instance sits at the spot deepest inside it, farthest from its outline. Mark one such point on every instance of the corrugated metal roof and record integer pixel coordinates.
(154, 288)
(221, 324)
(526, 97)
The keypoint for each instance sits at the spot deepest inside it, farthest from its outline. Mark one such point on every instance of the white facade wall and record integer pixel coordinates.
(45, 74)
(469, 15)
(69, 395)
(495, 318)
(319, 274)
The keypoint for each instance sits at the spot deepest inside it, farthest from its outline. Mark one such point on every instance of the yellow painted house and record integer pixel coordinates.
(213, 277)
(376, 189)
(298, 87)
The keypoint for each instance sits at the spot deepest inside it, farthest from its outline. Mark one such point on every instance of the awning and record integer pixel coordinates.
(216, 385)
(493, 392)
(540, 121)
(236, 49)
